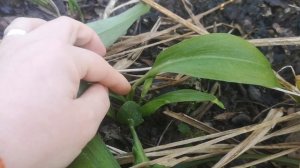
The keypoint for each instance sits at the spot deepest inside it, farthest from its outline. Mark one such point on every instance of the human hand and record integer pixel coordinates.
(42, 123)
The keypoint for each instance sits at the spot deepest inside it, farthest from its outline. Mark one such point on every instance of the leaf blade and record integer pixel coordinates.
(112, 28)
(184, 95)
(95, 155)
(129, 113)
(217, 56)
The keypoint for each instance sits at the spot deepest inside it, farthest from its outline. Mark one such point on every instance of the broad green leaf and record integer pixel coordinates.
(95, 155)
(217, 56)
(184, 95)
(130, 111)
(111, 29)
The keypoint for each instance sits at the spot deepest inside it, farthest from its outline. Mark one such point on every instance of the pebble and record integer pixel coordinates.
(241, 119)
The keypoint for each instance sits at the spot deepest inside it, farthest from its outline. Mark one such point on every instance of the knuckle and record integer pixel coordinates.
(66, 20)
(19, 19)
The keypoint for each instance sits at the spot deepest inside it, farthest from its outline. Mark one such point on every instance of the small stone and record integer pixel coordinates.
(241, 120)
(255, 93)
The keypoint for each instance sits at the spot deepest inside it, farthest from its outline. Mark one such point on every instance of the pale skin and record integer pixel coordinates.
(42, 123)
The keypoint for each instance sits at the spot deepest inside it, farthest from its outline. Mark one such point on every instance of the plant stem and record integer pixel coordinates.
(135, 85)
(75, 9)
(137, 149)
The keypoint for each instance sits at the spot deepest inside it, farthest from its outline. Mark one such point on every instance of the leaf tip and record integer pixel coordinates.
(219, 103)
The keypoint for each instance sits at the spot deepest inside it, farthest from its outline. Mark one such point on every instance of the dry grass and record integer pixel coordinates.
(209, 146)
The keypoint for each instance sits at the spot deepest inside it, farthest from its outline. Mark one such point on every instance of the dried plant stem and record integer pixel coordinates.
(132, 57)
(283, 131)
(123, 45)
(265, 159)
(134, 70)
(250, 141)
(187, 4)
(175, 17)
(292, 116)
(276, 41)
(124, 4)
(166, 159)
(209, 151)
(195, 123)
(135, 40)
(115, 150)
(191, 121)
(164, 132)
(279, 41)
(108, 9)
(171, 83)
(146, 46)
(221, 6)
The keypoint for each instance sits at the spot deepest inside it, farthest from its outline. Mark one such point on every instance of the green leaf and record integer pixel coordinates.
(184, 95)
(112, 28)
(95, 155)
(117, 97)
(184, 129)
(146, 87)
(219, 57)
(130, 110)
(74, 8)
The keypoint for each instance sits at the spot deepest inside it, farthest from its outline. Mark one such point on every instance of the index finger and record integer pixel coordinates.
(72, 32)
(93, 68)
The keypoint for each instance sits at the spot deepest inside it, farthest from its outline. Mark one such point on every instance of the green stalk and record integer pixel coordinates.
(137, 149)
(40, 2)
(75, 9)
(48, 4)
(135, 85)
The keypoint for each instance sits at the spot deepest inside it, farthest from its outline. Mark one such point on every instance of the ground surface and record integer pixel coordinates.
(252, 19)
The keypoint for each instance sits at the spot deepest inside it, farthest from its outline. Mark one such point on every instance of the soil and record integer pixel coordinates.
(253, 19)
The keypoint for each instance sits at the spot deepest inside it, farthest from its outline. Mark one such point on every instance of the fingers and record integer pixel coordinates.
(94, 104)
(63, 29)
(26, 24)
(72, 32)
(93, 68)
